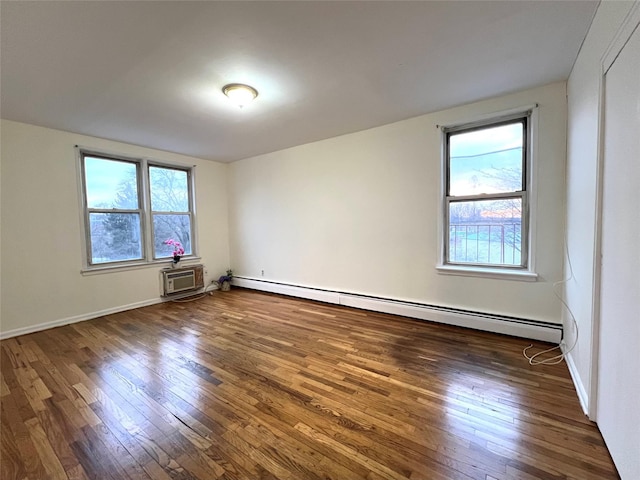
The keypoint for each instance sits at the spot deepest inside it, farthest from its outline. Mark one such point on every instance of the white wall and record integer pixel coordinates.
(359, 213)
(41, 238)
(583, 88)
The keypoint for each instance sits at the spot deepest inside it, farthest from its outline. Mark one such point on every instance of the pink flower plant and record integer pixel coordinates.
(178, 250)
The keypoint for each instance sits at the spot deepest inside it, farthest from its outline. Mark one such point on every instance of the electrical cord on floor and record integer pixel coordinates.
(190, 299)
(193, 298)
(556, 359)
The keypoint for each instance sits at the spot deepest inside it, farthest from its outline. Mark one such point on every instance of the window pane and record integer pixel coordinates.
(488, 160)
(111, 184)
(169, 190)
(115, 237)
(486, 231)
(174, 227)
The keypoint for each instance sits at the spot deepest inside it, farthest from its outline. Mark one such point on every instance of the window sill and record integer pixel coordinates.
(503, 274)
(123, 267)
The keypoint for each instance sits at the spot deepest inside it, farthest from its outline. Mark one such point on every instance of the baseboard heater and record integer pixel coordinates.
(182, 280)
(519, 327)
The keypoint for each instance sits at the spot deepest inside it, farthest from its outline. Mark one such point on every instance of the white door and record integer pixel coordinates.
(618, 408)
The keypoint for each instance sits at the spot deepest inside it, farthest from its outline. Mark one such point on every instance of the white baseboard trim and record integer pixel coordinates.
(326, 296)
(577, 381)
(77, 318)
(518, 327)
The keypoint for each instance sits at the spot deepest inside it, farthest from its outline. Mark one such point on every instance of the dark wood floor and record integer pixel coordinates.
(245, 385)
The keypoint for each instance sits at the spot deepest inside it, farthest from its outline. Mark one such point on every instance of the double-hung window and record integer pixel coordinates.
(171, 214)
(132, 207)
(486, 194)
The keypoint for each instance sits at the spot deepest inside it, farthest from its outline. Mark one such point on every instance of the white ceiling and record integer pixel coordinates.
(150, 73)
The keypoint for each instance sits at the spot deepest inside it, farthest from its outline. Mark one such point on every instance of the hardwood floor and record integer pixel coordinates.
(246, 385)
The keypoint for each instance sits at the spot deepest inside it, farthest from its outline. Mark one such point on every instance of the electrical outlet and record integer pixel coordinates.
(263, 273)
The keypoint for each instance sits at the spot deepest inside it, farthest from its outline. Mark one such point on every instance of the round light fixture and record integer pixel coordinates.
(240, 94)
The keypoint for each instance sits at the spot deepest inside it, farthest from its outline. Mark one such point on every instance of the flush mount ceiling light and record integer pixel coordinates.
(240, 94)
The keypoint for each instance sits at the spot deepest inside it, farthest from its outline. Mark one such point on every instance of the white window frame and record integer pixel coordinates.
(146, 214)
(151, 212)
(525, 271)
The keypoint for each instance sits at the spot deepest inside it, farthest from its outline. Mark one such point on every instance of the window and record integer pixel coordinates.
(170, 209)
(132, 206)
(485, 199)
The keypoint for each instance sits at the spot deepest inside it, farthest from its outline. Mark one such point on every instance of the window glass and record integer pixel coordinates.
(169, 189)
(171, 227)
(487, 160)
(111, 183)
(115, 237)
(486, 232)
